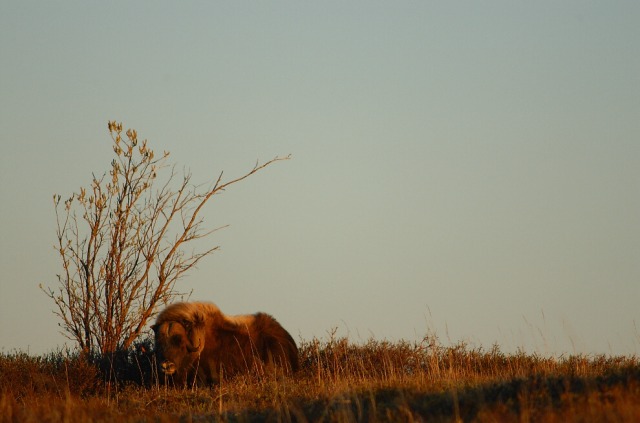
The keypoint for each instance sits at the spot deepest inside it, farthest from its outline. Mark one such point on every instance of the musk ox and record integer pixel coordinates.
(196, 342)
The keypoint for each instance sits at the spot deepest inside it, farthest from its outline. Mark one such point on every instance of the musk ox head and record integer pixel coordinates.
(178, 345)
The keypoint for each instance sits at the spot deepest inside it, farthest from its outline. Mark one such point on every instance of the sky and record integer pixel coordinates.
(469, 170)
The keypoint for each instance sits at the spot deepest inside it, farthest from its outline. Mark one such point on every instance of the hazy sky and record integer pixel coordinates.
(465, 168)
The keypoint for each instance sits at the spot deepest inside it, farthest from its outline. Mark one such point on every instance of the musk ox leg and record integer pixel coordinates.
(208, 373)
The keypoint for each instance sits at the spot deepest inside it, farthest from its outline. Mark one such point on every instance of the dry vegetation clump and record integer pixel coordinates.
(339, 381)
(58, 374)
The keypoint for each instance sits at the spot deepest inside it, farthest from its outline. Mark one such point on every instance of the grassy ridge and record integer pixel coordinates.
(339, 381)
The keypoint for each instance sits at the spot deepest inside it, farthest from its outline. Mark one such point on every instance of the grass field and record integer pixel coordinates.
(340, 381)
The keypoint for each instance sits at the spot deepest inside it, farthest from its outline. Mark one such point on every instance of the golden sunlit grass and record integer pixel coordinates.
(340, 381)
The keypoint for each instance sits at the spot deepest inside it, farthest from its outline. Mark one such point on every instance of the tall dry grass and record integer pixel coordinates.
(339, 381)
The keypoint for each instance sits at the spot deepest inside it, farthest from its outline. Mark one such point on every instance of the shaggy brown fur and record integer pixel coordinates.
(196, 340)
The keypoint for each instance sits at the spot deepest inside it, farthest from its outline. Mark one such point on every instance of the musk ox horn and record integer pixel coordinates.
(192, 349)
(191, 337)
(190, 344)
